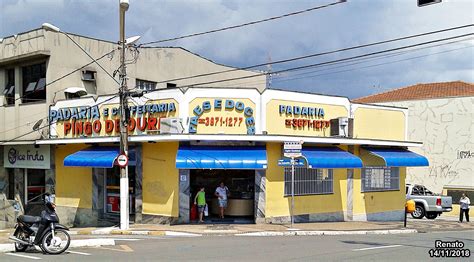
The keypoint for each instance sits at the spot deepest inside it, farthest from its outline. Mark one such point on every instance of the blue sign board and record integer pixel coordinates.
(287, 162)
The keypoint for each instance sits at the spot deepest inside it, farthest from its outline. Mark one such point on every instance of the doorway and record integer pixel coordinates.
(241, 200)
(112, 189)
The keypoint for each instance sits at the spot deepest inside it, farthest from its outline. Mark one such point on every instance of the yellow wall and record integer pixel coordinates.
(160, 179)
(278, 205)
(73, 184)
(275, 122)
(214, 116)
(379, 124)
(375, 202)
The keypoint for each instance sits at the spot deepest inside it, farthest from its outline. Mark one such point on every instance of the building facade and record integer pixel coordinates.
(441, 115)
(39, 67)
(182, 140)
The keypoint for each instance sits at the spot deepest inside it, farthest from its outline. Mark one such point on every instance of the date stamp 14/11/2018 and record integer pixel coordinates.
(449, 249)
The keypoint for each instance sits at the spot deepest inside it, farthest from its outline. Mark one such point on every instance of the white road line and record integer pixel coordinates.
(19, 255)
(127, 239)
(79, 253)
(369, 248)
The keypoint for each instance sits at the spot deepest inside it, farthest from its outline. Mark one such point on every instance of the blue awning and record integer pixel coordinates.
(94, 157)
(397, 157)
(330, 157)
(207, 157)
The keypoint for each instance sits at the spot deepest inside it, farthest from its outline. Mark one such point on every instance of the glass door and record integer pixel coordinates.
(112, 189)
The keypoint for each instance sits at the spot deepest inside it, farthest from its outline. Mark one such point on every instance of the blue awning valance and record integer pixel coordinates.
(95, 157)
(330, 157)
(208, 157)
(398, 157)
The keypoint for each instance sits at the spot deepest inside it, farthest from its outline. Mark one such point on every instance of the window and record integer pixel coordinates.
(380, 179)
(88, 75)
(34, 83)
(170, 85)
(36, 185)
(146, 85)
(309, 181)
(9, 91)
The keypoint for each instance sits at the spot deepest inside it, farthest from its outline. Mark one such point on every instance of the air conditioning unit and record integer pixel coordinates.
(342, 126)
(171, 126)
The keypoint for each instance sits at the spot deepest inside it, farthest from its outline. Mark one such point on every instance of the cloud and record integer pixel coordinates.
(343, 25)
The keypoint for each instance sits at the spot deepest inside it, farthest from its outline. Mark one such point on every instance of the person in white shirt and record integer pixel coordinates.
(464, 203)
(222, 192)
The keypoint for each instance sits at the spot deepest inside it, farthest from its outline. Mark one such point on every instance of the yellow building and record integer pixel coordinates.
(352, 165)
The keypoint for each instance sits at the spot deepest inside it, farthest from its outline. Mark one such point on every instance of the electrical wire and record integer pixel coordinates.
(51, 123)
(62, 77)
(318, 54)
(361, 60)
(246, 24)
(325, 63)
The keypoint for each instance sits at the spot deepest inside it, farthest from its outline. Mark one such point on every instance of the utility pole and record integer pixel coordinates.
(123, 92)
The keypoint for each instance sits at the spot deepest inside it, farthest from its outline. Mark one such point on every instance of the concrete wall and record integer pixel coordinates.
(446, 128)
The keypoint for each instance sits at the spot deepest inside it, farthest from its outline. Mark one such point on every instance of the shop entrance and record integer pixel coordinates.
(112, 189)
(240, 203)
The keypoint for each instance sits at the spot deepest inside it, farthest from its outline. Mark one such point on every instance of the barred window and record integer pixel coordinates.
(380, 178)
(145, 85)
(309, 181)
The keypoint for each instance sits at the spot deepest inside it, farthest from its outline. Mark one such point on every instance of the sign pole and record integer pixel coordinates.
(292, 190)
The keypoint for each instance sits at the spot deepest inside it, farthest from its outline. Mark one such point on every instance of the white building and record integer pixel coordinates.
(441, 115)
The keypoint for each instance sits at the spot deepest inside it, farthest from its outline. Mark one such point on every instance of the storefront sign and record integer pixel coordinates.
(304, 117)
(26, 156)
(223, 115)
(88, 121)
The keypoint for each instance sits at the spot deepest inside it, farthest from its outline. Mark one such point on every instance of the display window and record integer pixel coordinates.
(35, 185)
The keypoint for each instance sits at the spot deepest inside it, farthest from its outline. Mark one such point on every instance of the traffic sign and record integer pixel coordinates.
(292, 149)
(287, 162)
(122, 160)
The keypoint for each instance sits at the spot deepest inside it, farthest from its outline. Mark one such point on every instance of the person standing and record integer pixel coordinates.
(222, 192)
(200, 200)
(464, 205)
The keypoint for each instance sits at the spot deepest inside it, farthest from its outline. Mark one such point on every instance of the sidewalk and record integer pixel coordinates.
(322, 228)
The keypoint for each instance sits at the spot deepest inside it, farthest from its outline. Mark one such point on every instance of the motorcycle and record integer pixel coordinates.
(43, 231)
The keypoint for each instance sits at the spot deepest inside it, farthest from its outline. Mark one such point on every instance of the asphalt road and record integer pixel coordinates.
(403, 247)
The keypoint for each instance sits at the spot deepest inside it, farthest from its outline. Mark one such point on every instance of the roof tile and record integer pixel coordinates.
(422, 91)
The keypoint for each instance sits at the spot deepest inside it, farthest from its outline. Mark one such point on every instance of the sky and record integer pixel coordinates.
(353, 23)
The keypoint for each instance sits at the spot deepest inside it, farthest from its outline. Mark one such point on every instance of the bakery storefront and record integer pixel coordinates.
(355, 155)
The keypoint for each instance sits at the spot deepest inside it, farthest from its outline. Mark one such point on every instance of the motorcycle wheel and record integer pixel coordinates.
(58, 244)
(20, 247)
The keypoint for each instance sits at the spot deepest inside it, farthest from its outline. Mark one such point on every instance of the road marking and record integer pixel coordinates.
(369, 248)
(123, 248)
(127, 239)
(19, 255)
(79, 253)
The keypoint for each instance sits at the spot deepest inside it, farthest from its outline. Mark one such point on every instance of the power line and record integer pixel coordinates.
(319, 54)
(374, 65)
(246, 24)
(327, 62)
(51, 123)
(62, 77)
(361, 60)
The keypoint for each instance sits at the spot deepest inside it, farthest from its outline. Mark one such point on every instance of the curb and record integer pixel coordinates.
(74, 243)
(330, 233)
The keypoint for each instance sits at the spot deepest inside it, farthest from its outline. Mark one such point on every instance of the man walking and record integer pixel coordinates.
(222, 192)
(464, 202)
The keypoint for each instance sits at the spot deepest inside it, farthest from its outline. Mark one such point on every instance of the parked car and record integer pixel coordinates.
(427, 203)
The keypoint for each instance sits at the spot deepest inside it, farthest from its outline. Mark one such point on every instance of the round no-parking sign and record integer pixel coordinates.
(122, 160)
